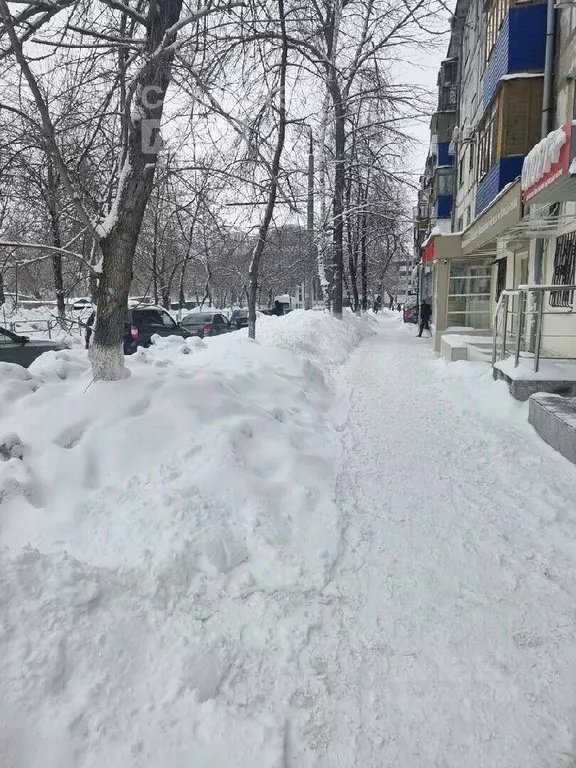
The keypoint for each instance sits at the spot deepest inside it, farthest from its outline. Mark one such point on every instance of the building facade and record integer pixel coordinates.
(481, 228)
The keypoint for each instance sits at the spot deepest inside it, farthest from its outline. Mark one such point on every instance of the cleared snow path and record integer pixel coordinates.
(451, 634)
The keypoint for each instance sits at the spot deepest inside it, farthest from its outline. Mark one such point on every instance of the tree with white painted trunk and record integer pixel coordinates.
(136, 45)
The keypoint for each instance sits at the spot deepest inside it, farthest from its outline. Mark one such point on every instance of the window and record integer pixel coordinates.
(469, 291)
(166, 320)
(487, 142)
(564, 270)
(460, 223)
(445, 181)
(468, 216)
(461, 165)
(495, 15)
(149, 317)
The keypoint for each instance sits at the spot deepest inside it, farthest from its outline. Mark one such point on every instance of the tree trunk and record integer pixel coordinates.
(364, 261)
(52, 204)
(136, 179)
(338, 199)
(273, 191)
(2, 293)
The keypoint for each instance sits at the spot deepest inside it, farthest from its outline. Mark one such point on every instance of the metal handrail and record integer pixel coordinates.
(502, 304)
(523, 312)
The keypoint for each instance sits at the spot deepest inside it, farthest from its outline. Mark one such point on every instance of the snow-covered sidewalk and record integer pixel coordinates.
(453, 640)
(281, 580)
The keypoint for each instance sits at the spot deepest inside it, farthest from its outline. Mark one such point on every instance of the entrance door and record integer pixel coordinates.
(500, 277)
(521, 275)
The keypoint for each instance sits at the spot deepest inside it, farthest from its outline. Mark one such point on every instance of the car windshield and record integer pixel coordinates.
(197, 319)
(7, 337)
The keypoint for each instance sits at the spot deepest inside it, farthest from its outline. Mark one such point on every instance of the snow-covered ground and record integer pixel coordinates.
(323, 549)
(43, 323)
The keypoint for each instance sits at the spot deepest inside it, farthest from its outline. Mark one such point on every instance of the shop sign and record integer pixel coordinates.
(502, 214)
(547, 164)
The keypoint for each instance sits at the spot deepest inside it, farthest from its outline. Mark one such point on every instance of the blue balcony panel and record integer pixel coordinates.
(444, 206)
(520, 47)
(506, 170)
(444, 156)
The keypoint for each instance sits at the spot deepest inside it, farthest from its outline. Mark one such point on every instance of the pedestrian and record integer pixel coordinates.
(278, 309)
(391, 303)
(425, 315)
(89, 327)
(377, 304)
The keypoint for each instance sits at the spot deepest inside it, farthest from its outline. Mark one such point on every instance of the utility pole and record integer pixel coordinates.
(308, 300)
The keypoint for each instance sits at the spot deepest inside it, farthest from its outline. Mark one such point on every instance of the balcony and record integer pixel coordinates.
(506, 134)
(443, 207)
(448, 98)
(422, 212)
(520, 47)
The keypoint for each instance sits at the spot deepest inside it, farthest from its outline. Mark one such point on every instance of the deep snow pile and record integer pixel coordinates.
(158, 537)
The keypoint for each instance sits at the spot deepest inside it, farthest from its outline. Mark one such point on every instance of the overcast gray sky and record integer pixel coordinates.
(424, 71)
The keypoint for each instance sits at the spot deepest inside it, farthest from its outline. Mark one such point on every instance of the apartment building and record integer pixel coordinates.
(495, 65)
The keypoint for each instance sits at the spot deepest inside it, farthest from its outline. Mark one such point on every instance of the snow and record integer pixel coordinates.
(325, 548)
(43, 323)
(463, 340)
(549, 370)
(542, 157)
(521, 75)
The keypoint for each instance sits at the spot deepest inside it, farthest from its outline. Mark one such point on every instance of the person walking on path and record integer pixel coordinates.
(425, 315)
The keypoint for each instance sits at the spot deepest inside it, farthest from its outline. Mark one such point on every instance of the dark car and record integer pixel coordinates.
(239, 319)
(22, 350)
(209, 323)
(144, 322)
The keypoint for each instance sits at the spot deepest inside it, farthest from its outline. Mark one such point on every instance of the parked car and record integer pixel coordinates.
(206, 324)
(239, 319)
(410, 311)
(81, 304)
(22, 350)
(146, 321)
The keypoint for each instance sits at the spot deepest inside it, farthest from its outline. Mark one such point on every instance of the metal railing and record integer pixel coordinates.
(518, 325)
(21, 327)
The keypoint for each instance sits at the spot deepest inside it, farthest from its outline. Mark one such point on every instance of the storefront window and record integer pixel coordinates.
(469, 295)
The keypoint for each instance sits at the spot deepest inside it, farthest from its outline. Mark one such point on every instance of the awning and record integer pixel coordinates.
(548, 174)
(442, 247)
(504, 213)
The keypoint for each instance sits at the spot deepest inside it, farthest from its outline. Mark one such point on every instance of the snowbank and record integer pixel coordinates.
(158, 537)
(315, 335)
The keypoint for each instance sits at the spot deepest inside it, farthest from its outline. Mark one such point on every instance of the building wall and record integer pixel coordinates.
(559, 326)
(471, 110)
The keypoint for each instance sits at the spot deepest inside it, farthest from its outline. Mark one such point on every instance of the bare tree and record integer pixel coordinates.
(141, 44)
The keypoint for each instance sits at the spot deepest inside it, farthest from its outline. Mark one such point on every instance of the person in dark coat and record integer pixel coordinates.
(425, 315)
(89, 329)
(278, 309)
(377, 304)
